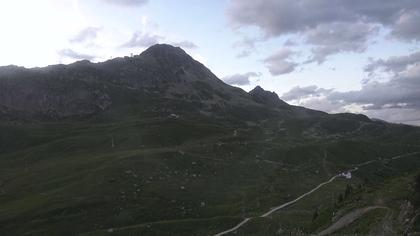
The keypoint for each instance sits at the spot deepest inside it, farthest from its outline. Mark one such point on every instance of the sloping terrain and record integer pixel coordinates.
(155, 144)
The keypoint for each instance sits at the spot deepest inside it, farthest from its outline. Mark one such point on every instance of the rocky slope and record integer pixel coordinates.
(84, 88)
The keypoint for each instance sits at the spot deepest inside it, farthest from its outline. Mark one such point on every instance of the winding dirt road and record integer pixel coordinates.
(276, 208)
(308, 193)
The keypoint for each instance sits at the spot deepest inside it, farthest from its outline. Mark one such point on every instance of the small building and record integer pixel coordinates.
(173, 116)
(346, 175)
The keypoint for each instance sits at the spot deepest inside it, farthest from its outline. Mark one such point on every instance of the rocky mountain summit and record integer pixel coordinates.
(268, 98)
(84, 88)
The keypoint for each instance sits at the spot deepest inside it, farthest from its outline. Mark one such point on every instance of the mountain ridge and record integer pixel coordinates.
(167, 75)
(82, 88)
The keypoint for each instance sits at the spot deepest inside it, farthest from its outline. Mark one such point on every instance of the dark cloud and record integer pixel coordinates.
(333, 38)
(85, 35)
(185, 44)
(279, 17)
(279, 63)
(142, 40)
(330, 26)
(69, 53)
(394, 64)
(128, 3)
(240, 79)
(407, 25)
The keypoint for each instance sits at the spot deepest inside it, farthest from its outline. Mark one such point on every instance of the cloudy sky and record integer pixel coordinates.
(333, 55)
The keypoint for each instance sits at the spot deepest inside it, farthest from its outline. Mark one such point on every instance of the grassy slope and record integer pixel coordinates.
(175, 177)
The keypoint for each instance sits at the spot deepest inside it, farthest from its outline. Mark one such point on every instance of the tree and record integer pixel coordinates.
(316, 214)
(349, 190)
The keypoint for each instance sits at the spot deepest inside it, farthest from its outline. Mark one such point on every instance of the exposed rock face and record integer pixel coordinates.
(268, 98)
(83, 88)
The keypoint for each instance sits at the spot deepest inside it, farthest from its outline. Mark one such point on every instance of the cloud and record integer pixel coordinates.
(304, 92)
(69, 53)
(338, 37)
(280, 17)
(314, 97)
(240, 79)
(330, 27)
(247, 45)
(127, 3)
(247, 42)
(243, 54)
(406, 26)
(185, 44)
(85, 35)
(396, 99)
(401, 91)
(145, 39)
(142, 40)
(397, 115)
(290, 43)
(393, 64)
(279, 63)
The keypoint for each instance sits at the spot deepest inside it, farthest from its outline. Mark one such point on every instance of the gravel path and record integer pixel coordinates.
(311, 191)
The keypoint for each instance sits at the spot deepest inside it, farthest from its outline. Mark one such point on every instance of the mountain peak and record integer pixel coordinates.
(257, 89)
(167, 56)
(260, 95)
(164, 50)
(260, 91)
